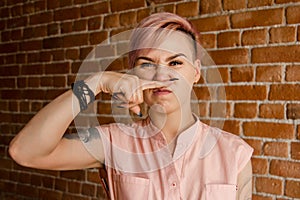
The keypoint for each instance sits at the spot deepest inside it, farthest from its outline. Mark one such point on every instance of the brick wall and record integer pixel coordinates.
(255, 44)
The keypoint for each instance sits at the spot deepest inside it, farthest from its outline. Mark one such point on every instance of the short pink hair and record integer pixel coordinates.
(150, 29)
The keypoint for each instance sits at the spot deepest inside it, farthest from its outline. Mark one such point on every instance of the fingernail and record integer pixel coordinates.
(140, 114)
(120, 106)
(173, 79)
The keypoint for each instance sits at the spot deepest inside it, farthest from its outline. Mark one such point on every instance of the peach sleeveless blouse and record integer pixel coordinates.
(204, 166)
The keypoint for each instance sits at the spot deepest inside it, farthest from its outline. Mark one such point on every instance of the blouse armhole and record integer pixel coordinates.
(245, 156)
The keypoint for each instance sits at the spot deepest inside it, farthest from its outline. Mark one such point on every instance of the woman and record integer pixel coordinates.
(168, 155)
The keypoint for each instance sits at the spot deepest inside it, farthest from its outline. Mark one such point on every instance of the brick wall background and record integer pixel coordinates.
(255, 44)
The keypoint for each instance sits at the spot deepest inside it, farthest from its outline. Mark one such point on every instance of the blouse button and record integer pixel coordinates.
(174, 184)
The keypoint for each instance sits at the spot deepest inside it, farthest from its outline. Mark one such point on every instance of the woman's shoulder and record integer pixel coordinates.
(225, 140)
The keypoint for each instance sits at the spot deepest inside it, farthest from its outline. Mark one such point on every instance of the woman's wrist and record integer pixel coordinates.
(94, 84)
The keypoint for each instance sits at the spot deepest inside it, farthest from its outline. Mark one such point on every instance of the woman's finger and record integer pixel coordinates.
(146, 84)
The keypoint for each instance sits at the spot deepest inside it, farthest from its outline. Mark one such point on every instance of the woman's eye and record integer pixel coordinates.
(175, 63)
(147, 65)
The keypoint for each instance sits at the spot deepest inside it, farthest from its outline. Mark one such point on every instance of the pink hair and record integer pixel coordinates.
(152, 30)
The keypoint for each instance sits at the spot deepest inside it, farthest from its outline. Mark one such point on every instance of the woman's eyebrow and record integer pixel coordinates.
(168, 59)
(144, 58)
(175, 56)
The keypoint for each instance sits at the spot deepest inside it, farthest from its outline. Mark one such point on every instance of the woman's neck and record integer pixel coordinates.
(172, 124)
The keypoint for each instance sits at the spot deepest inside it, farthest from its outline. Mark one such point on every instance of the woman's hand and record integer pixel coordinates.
(127, 89)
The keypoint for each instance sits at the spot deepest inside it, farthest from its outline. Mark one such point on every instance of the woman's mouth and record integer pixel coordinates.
(161, 91)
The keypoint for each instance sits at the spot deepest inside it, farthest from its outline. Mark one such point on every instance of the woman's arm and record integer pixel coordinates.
(244, 185)
(40, 144)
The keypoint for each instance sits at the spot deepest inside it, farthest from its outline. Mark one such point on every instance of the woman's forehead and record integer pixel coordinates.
(174, 43)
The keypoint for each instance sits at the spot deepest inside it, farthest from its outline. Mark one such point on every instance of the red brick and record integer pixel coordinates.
(259, 165)
(269, 185)
(97, 37)
(67, 13)
(295, 150)
(284, 92)
(32, 69)
(234, 4)
(230, 56)
(254, 37)
(208, 40)
(257, 18)
(256, 145)
(75, 40)
(41, 18)
(94, 23)
(203, 93)
(292, 188)
(94, 9)
(128, 18)
(50, 43)
(143, 13)
(50, 194)
(31, 45)
(245, 92)
(292, 73)
(34, 82)
(17, 34)
(75, 174)
(210, 6)
(242, 74)
(269, 130)
(285, 1)
(268, 74)
(162, 1)
(53, 29)
(36, 94)
(232, 126)
(66, 27)
(229, 39)
(221, 110)
(22, 82)
(212, 23)
(277, 149)
(120, 5)
(53, 93)
(16, 10)
(9, 47)
(88, 189)
(202, 109)
(74, 187)
(38, 31)
(217, 75)
(276, 54)
(8, 83)
(39, 6)
(285, 168)
(282, 34)
(245, 110)
(93, 177)
(72, 54)
(9, 71)
(26, 190)
(17, 22)
(293, 111)
(272, 111)
(187, 9)
(60, 184)
(80, 25)
(111, 21)
(293, 15)
(258, 3)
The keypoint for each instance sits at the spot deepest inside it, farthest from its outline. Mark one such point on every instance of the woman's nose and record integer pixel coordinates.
(162, 73)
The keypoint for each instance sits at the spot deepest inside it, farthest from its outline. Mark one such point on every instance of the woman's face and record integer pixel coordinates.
(173, 59)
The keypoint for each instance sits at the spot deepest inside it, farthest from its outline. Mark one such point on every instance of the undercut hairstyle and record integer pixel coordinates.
(151, 31)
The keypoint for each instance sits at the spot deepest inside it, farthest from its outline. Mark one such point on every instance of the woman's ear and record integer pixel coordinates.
(197, 65)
